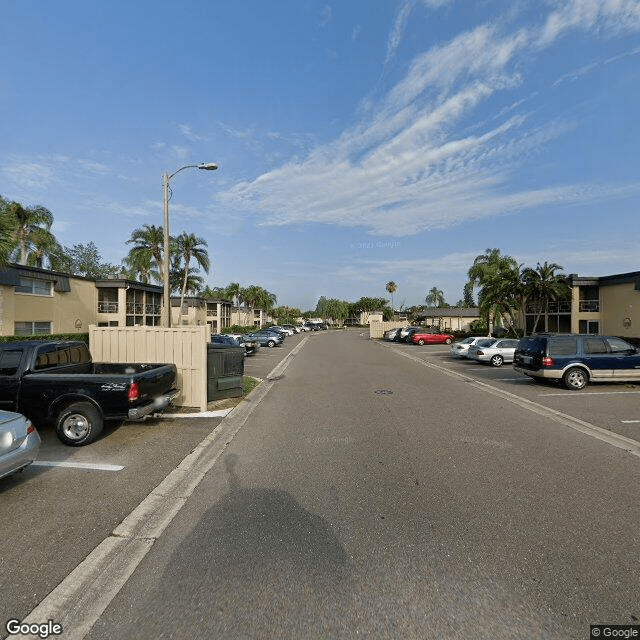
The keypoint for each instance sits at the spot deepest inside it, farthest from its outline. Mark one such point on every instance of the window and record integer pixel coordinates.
(619, 346)
(10, 361)
(595, 345)
(31, 328)
(52, 356)
(563, 346)
(589, 327)
(34, 286)
(108, 300)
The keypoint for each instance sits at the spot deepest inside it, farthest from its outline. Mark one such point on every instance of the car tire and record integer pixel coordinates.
(421, 342)
(271, 344)
(79, 424)
(575, 379)
(447, 341)
(497, 360)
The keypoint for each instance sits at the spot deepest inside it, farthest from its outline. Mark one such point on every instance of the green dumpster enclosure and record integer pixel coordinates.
(225, 368)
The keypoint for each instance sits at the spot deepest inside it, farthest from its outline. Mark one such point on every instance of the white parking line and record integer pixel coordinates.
(79, 465)
(221, 413)
(590, 393)
(629, 421)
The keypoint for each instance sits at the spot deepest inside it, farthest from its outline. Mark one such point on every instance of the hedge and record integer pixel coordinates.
(82, 337)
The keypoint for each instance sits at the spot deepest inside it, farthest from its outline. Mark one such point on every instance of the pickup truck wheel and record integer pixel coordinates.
(79, 424)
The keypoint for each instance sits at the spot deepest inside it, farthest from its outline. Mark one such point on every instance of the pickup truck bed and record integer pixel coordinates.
(56, 382)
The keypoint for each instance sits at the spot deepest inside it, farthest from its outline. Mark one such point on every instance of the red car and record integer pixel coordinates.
(431, 338)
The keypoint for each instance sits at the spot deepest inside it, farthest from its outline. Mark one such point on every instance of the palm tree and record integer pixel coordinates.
(542, 285)
(391, 288)
(188, 246)
(148, 247)
(488, 270)
(7, 224)
(503, 295)
(233, 292)
(435, 297)
(44, 245)
(27, 224)
(137, 267)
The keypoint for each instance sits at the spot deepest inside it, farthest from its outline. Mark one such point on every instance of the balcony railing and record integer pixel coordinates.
(563, 306)
(589, 305)
(107, 307)
(135, 308)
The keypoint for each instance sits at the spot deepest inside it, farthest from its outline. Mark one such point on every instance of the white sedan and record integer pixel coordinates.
(496, 352)
(461, 348)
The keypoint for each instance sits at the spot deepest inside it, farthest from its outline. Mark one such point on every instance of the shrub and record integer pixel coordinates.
(82, 337)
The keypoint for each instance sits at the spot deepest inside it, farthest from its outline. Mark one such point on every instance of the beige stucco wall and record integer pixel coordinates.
(70, 312)
(195, 316)
(620, 310)
(6, 311)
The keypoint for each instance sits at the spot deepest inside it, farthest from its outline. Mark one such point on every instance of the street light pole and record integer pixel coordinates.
(166, 307)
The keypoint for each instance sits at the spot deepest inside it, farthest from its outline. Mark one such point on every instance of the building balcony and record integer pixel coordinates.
(135, 308)
(107, 307)
(589, 306)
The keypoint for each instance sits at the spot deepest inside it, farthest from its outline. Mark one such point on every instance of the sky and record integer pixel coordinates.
(358, 142)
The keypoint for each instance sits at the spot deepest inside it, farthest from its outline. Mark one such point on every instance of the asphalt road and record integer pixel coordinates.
(370, 494)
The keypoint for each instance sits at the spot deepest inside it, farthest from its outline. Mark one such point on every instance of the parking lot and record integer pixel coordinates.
(72, 498)
(615, 407)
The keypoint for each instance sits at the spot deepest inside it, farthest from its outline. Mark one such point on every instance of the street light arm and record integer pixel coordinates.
(207, 166)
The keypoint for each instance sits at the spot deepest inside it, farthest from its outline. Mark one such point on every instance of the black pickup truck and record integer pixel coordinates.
(57, 383)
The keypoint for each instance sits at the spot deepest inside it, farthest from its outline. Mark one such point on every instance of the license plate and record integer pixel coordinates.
(526, 359)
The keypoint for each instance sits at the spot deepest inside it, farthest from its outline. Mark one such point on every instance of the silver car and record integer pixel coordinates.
(461, 348)
(19, 442)
(494, 351)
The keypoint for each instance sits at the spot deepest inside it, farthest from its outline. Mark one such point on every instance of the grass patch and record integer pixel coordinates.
(248, 384)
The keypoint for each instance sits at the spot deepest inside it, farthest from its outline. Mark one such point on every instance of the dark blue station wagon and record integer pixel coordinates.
(577, 359)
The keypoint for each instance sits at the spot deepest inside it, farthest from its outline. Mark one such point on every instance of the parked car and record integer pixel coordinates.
(292, 327)
(312, 326)
(461, 348)
(273, 331)
(404, 331)
(494, 351)
(236, 340)
(419, 337)
(577, 359)
(19, 442)
(56, 382)
(286, 330)
(391, 334)
(266, 338)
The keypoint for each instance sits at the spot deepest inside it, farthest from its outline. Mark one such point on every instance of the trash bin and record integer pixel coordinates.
(225, 368)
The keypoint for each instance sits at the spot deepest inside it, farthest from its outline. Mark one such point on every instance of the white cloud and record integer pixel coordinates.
(29, 175)
(610, 16)
(187, 131)
(401, 20)
(325, 15)
(405, 170)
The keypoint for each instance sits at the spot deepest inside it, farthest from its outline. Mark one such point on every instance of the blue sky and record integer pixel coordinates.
(358, 142)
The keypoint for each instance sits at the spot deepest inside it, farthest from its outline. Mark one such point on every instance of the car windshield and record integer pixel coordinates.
(486, 342)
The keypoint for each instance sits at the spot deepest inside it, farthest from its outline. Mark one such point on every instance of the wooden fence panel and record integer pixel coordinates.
(377, 329)
(186, 347)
